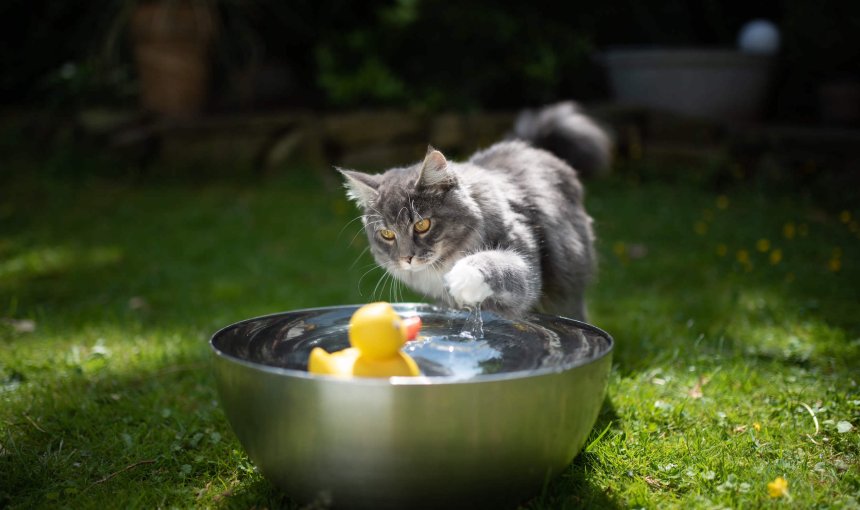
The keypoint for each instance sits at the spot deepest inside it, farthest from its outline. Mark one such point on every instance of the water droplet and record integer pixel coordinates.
(474, 327)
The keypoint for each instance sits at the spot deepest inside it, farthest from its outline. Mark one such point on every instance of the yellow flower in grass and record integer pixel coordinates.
(845, 217)
(789, 230)
(778, 488)
(722, 249)
(757, 426)
(722, 202)
(775, 256)
(762, 245)
(701, 228)
(835, 262)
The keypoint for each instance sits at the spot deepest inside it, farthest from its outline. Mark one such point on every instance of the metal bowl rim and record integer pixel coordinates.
(410, 381)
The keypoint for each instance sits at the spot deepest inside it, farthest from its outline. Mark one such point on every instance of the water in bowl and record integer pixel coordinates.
(462, 355)
(460, 344)
(453, 355)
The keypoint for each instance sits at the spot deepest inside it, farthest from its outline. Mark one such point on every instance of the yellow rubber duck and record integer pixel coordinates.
(376, 334)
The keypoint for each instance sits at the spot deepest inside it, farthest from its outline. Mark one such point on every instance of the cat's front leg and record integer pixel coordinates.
(501, 280)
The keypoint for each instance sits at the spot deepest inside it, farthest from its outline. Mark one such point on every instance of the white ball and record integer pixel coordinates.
(759, 36)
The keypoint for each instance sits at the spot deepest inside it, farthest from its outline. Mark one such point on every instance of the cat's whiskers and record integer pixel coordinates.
(355, 236)
(354, 262)
(376, 214)
(393, 289)
(376, 287)
(386, 275)
(373, 224)
(372, 218)
(375, 266)
(415, 213)
(364, 229)
(386, 281)
(438, 269)
(364, 224)
(401, 211)
(348, 223)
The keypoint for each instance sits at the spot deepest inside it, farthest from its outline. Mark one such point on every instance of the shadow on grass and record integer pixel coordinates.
(575, 488)
(256, 494)
(141, 439)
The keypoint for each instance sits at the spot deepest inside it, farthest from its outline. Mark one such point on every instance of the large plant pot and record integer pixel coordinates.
(722, 84)
(171, 45)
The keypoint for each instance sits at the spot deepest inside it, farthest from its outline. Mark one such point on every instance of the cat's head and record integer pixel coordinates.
(416, 217)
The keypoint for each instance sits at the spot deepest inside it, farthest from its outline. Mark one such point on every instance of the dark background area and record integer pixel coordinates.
(424, 55)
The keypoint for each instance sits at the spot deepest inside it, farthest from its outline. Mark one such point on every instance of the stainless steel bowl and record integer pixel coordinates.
(491, 440)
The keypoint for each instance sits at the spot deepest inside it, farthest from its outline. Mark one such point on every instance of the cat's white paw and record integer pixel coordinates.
(467, 285)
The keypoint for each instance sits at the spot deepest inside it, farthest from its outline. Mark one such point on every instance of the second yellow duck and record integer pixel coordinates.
(376, 334)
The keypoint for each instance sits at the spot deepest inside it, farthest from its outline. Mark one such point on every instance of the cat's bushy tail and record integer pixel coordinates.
(566, 131)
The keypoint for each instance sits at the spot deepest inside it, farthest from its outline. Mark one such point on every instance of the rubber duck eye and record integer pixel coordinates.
(422, 226)
(386, 234)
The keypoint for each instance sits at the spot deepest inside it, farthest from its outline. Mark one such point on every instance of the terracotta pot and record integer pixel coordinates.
(172, 41)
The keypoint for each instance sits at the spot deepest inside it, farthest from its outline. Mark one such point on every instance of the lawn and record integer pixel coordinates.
(736, 314)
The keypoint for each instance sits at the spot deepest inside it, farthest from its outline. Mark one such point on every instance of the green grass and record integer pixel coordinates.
(730, 370)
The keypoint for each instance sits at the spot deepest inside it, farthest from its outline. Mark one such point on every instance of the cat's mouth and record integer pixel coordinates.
(416, 264)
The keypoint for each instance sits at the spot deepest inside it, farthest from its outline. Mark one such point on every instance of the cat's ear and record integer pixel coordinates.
(435, 171)
(360, 187)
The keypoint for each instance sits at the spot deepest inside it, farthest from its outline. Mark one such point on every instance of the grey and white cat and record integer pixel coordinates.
(506, 229)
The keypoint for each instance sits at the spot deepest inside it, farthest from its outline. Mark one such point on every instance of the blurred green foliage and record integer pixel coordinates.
(421, 54)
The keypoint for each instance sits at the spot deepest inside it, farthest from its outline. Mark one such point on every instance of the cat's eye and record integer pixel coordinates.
(386, 234)
(422, 225)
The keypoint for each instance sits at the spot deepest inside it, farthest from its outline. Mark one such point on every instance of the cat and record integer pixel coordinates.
(506, 229)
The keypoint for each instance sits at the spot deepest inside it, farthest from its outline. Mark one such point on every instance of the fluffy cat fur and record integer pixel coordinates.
(507, 228)
(566, 131)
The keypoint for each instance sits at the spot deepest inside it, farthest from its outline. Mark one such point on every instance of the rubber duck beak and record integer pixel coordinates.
(411, 327)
